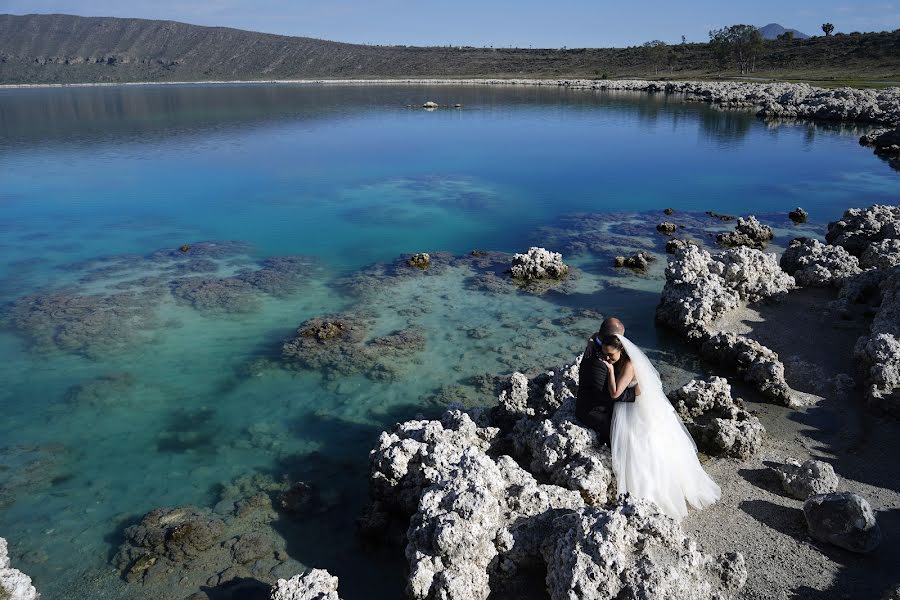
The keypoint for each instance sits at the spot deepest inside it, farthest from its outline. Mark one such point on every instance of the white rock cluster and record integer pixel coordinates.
(719, 424)
(701, 288)
(14, 584)
(538, 263)
(815, 264)
(314, 584)
(748, 232)
(479, 519)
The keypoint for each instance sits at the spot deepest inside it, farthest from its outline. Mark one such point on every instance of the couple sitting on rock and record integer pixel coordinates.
(620, 396)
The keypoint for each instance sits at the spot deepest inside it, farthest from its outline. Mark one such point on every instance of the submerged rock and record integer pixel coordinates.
(748, 232)
(420, 260)
(186, 548)
(639, 261)
(14, 584)
(313, 584)
(801, 481)
(667, 228)
(843, 519)
(538, 263)
(720, 425)
(813, 263)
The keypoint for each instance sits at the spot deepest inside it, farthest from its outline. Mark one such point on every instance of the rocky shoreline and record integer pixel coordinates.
(776, 100)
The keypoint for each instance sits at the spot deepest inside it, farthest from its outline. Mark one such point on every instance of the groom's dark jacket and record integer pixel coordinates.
(594, 404)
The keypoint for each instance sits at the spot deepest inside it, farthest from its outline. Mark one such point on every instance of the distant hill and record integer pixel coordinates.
(773, 30)
(70, 49)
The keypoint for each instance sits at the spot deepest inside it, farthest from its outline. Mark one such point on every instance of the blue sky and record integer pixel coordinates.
(572, 23)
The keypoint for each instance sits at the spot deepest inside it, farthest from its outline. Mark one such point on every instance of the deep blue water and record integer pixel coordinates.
(347, 176)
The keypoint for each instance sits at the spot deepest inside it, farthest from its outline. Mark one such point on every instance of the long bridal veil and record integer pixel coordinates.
(653, 454)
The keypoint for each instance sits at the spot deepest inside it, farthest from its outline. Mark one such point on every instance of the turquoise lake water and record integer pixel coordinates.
(180, 389)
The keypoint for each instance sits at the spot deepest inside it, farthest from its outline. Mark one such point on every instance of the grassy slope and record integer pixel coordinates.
(69, 49)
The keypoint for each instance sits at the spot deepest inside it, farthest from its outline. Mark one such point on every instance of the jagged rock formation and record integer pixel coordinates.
(420, 260)
(538, 263)
(878, 354)
(859, 227)
(14, 584)
(314, 584)
(701, 288)
(719, 424)
(748, 232)
(479, 519)
(675, 244)
(801, 481)
(813, 263)
(843, 519)
(667, 228)
(873, 234)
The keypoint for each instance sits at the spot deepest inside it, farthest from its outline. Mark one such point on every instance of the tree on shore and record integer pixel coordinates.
(657, 53)
(742, 42)
(828, 28)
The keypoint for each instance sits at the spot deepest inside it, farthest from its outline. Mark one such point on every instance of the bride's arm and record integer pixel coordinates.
(617, 387)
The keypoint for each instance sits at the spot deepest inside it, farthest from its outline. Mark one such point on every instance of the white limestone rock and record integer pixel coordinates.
(759, 365)
(14, 584)
(748, 232)
(801, 481)
(843, 519)
(861, 226)
(881, 255)
(314, 584)
(538, 263)
(815, 264)
(719, 424)
(632, 552)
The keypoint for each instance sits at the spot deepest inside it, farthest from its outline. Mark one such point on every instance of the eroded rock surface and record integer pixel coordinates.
(861, 226)
(700, 288)
(538, 263)
(813, 263)
(14, 584)
(719, 424)
(478, 518)
(314, 584)
(813, 477)
(748, 232)
(843, 519)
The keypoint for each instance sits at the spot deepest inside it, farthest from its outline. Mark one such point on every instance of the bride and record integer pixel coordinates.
(653, 455)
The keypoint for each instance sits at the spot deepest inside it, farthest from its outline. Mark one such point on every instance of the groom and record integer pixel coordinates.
(594, 405)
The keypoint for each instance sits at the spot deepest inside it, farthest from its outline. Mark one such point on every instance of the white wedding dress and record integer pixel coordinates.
(653, 455)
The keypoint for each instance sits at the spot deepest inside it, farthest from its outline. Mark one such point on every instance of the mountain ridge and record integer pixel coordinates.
(54, 49)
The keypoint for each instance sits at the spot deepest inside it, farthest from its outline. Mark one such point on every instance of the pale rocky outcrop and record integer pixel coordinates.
(801, 481)
(748, 232)
(538, 263)
(719, 424)
(14, 584)
(701, 288)
(878, 354)
(314, 584)
(813, 263)
(479, 519)
(861, 226)
(881, 255)
(843, 519)
(595, 558)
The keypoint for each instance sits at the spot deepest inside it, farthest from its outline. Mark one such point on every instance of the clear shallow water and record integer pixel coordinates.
(348, 176)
